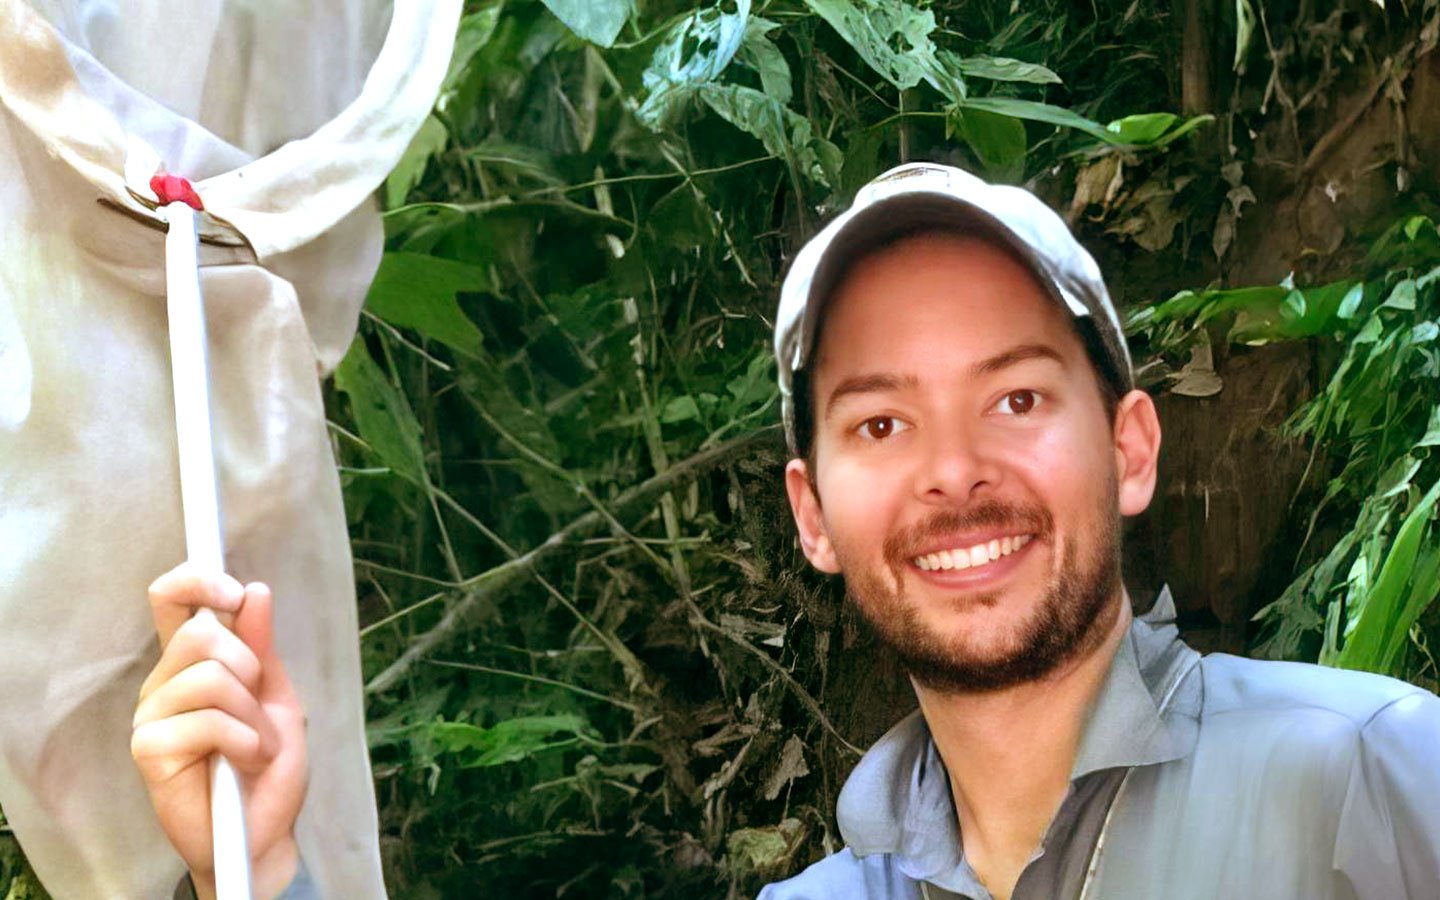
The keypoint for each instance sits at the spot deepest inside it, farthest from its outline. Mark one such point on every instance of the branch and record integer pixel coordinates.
(491, 581)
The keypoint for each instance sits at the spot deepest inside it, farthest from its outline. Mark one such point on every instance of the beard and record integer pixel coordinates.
(1067, 622)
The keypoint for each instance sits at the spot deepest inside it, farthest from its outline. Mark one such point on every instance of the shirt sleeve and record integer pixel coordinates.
(301, 887)
(845, 876)
(1388, 843)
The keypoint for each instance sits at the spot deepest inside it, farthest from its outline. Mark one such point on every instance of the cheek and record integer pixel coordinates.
(1067, 466)
(859, 502)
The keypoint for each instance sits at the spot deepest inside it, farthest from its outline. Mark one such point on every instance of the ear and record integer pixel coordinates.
(809, 521)
(1137, 451)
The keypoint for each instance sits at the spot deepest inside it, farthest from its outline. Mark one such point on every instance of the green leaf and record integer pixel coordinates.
(1294, 305)
(757, 383)
(1416, 224)
(1002, 68)
(1424, 587)
(694, 52)
(413, 290)
(999, 141)
(1035, 111)
(597, 21)
(1144, 128)
(1370, 332)
(382, 414)
(1244, 29)
(949, 77)
(509, 741)
(1431, 437)
(474, 33)
(1396, 479)
(428, 141)
(1185, 128)
(784, 132)
(1153, 129)
(1381, 628)
(1402, 296)
(891, 35)
(679, 409)
(1351, 304)
(758, 52)
(517, 161)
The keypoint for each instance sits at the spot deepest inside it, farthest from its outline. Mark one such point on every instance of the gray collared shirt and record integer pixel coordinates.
(1196, 778)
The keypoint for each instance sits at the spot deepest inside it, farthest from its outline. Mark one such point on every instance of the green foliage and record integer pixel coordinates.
(594, 654)
(597, 21)
(589, 638)
(1375, 419)
(892, 36)
(17, 879)
(418, 291)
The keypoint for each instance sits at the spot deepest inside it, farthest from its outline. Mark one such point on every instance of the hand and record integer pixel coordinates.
(215, 691)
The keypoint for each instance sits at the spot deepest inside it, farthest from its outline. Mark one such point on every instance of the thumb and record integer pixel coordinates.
(255, 625)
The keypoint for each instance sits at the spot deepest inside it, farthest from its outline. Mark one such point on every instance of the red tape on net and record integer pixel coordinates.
(174, 189)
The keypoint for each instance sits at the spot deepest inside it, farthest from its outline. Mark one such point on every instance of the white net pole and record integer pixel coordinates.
(200, 498)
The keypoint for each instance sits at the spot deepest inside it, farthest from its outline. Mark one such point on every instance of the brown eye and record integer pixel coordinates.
(878, 428)
(1018, 403)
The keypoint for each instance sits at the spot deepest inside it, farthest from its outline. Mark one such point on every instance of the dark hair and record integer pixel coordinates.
(803, 415)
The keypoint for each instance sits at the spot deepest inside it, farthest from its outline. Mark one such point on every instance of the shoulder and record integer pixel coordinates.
(1297, 693)
(1320, 721)
(845, 876)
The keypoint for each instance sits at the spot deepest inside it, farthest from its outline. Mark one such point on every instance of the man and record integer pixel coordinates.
(961, 406)
(966, 433)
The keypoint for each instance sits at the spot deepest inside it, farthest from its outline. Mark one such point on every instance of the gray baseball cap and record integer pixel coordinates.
(920, 196)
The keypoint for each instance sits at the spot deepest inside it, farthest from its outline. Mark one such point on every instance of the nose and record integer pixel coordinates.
(955, 468)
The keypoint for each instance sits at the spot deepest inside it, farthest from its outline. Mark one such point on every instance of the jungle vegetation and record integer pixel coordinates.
(597, 665)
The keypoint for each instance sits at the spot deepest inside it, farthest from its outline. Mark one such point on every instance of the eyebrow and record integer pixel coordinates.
(885, 382)
(1014, 356)
(880, 382)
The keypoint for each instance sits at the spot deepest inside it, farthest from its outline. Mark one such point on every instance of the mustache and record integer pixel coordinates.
(904, 545)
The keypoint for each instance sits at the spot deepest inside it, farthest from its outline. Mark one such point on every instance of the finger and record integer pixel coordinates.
(255, 625)
(209, 685)
(203, 638)
(176, 595)
(169, 747)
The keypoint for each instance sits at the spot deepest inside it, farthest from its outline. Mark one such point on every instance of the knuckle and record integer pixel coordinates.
(210, 678)
(200, 633)
(145, 741)
(177, 582)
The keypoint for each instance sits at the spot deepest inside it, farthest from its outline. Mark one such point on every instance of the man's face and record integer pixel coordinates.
(970, 481)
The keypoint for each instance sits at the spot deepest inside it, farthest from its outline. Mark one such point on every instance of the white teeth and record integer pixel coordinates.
(978, 555)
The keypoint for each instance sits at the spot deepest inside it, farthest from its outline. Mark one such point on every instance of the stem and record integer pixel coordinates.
(538, 679)
(485, 585)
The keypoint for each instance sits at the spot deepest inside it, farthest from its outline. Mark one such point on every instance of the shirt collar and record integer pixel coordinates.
(897, 800)
(1142, 716)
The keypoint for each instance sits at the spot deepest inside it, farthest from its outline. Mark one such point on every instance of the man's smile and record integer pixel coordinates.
(970, 547)
(977, 555)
